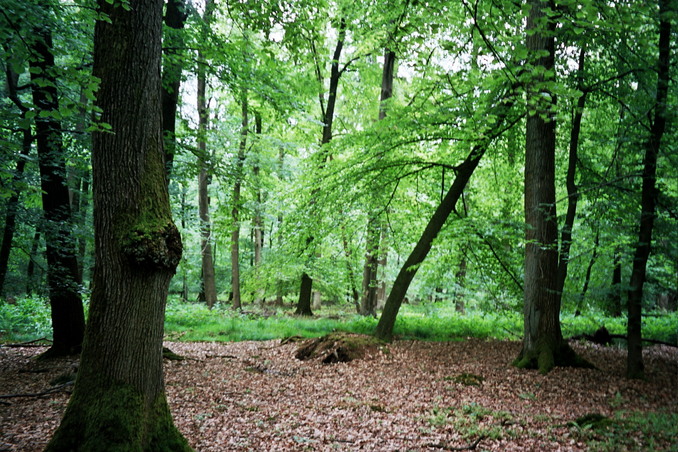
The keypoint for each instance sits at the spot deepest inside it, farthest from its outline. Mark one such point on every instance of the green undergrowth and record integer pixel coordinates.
(632, 431)
(29, 319)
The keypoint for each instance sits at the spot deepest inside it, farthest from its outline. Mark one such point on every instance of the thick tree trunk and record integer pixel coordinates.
(235, 211)
(68, 319)
(543, 343)
(119, 401)
(635, 366)
(175, 18)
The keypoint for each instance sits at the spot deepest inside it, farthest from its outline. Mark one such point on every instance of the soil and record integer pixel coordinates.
(408, 396)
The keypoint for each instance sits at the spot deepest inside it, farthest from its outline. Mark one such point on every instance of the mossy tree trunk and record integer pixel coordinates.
(543, 343)
(68, 318)
(119, 401)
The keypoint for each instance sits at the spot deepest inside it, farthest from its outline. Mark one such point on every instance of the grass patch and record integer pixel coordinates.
(635, 431)
(29, 318)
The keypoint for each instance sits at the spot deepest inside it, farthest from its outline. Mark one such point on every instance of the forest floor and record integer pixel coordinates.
(410, 396)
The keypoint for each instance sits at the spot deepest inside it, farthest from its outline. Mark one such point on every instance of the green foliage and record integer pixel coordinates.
(473, 421)
(633, 431)
(25, 319)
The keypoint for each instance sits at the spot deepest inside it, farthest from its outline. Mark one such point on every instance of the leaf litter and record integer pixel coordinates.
(408, 396)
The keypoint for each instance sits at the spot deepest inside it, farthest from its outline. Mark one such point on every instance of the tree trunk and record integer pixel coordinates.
(209, 289)
(370, 285)
(570, 182)
(464, 171)
(119, 401)
(13, 201)
(68, 319)
(635, 366)
(258, 220)
(175, 18)
(543, 343)
(615, 289)
(306, 289)
(235, 211)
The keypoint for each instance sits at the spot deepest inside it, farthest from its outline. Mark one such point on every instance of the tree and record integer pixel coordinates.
(119, 401)
(68, 318)
(175, 18)
(208, 290)
(543, 343)
(497, 117)
(635, 367)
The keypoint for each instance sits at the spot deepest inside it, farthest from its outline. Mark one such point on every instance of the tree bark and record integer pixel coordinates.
(370, 285)
(209, 289)
(13, 201)
(464, 172)
(175, 18)
(306, 289)
(68, 319)
(635, 366)
(119, 402)
(543, 343)
(571, 184)
(235, 211)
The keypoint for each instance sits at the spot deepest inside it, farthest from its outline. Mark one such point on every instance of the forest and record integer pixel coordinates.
(483, 191)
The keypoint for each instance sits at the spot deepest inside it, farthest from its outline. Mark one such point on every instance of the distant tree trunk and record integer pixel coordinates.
(587, 275)
(13, 201)
(543, 343)
(175, 18)
(118, 402)
(460, 283)
(258, 220)
(30, 268)
(353, 290)
(570, 182)
(209, 289)
(370, 285)
(306, 289)
(235, 211)
(615, 289)
(635, 366)
(68, 319)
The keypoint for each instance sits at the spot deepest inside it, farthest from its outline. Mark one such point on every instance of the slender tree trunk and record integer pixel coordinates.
(460, 282)
(30, 268)
(570, 182)
(258, 220)
(209, 289)
(175, 18)
(235, 211)
(68, 319)
(306, 289)
(13, 201)
(118, 402)
(635, 366)
(615, 289)
(370, 285)
(587, 275)
(464, 172)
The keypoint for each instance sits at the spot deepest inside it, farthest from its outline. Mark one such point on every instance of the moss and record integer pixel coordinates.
(545, 357)
(115, 419)
(339, 347)
(154, 244)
